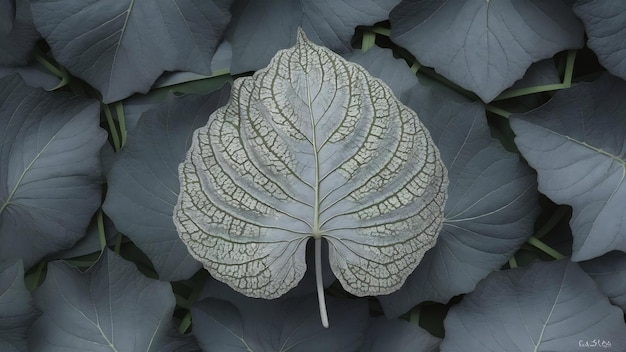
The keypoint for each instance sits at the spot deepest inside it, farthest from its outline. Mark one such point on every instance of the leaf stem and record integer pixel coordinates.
(498, 111)
(119, 111)
(368, 41)
(512, 262)
(534, 241)
(101, 234)
(569, 68)
(320, 284)
(112, 128)
(185, 323)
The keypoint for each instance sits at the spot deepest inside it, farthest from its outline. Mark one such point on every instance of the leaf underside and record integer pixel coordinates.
(311, 146)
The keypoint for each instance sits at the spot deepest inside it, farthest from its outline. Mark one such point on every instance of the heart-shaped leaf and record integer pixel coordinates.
(122, 47)
(111, 307)
(492, 193)
(330, 23)
(547, 306)
(398, 336)
(576, 144)
(50, 172)
(143, 182)
(311, 146)
(484, 46)
(604, 24)
(282, 325)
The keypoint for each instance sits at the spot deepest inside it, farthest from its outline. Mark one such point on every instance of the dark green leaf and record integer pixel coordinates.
(50, 173)
(547, 306)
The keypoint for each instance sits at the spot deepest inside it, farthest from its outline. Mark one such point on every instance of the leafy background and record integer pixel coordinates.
(525, 99)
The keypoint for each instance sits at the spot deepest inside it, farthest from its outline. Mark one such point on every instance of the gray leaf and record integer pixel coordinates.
(547, 306)
(17, 42)
(143, 183)
(604, 23)
(576, 144)
(7, 16)
(122, 47)
(609, 272)
(262, 27)
(17, 311)
(398, 336)
(50, 172)
(281, 325)
(111, 307)
(484, 46)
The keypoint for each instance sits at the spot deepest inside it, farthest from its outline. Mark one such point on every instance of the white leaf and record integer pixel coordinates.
(311, 146)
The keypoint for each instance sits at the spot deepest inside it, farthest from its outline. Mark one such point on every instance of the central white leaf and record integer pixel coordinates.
(311, 146)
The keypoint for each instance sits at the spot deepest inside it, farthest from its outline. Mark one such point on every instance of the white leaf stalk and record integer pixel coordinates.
(311, 146)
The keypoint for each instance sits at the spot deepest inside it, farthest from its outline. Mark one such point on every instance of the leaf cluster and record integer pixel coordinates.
(524, 99)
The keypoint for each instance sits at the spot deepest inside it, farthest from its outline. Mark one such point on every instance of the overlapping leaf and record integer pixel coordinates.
(491, 205)
(17, 312)
(143, 183)
(122, 47)
(111, 307)
(609, 272)
(576, 144)
(398, 336)
(261, 27)
(604, 24)
(311, 146)
(484, 46)
(17, 33)
(50, 172)
(247, 324)
(547, 306)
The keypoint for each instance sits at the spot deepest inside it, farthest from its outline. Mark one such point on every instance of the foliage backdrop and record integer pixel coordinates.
(525, 100)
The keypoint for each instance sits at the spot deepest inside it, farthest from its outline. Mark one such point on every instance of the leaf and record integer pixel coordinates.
(278, 325)
(7, 16)
(292, 157)
(484, 46)
(380, 63)
(609, 272)
(260, 28)
(111, 307)
(122, 47)
(50, 173)
(17, 311)
(604, 24)
(398, 336)
(34, 75)
(17, 42)
(491, 205)
(143, 182)
(576, 144)
(547, 306)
